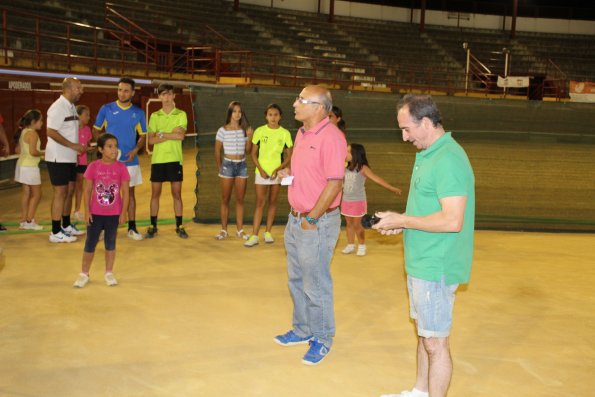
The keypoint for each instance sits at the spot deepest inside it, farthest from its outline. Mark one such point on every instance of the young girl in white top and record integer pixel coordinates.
(235, 140)
(27, 168)
(354, 205)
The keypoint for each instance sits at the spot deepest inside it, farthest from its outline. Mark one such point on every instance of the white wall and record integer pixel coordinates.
(477, 21)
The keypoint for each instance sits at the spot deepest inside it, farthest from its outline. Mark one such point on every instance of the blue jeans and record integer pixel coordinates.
(309, 254)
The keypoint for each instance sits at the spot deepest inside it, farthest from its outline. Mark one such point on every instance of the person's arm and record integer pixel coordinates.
(124, 190)
(368, 173)
(330, 191)
(218, 147)
(448, 220)
(255, 150)
(87, 191)
(139, 145)
(5, 151)
(55, 135)
(285, 163)
(32, 139)
(177, 134)
(249, 133)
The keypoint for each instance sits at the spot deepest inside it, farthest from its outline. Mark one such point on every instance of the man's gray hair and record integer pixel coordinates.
(421, 106)
(326, 101)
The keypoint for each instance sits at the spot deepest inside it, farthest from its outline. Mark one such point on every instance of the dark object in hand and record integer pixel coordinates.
(369, 220)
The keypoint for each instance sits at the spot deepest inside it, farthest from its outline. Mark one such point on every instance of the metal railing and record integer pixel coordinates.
(127, 48)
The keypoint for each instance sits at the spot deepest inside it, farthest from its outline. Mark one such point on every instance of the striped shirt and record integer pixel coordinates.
(234, 141)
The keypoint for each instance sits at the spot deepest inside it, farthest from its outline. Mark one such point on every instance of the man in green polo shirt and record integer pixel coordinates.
(167, 128)
(438, 227)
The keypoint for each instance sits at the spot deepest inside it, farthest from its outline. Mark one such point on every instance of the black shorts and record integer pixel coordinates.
(80, 169)
(61, 174)
(167, 172)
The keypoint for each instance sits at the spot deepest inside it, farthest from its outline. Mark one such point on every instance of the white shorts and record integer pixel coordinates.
(27, 175)
(136, 177)
(268, 181)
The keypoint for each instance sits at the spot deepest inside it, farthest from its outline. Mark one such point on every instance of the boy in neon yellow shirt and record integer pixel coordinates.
(167, 128)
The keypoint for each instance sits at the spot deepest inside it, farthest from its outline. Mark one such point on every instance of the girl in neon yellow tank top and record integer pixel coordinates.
(27, 169)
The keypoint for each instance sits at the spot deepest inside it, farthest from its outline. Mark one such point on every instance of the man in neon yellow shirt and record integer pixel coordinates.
(167, 128)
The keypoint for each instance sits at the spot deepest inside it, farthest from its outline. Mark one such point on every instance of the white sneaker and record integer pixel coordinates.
(71, 230)
(252, 241)
(268, 238)
(23, 225)
(349, 248)
(110, 279)
(361, 250)
(408, 393)
(60, 237)
(81, 281)
(135, 235)
(32, 225)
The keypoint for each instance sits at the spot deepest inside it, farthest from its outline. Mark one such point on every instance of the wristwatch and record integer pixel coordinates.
(310, 220)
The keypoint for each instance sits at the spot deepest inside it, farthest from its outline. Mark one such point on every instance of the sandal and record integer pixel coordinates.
(240, 233)
(222, 235)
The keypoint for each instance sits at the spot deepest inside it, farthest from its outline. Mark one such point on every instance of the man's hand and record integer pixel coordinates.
(390, 223)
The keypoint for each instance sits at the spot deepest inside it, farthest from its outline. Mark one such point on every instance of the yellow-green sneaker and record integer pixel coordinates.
(252, 241)
(268, 238)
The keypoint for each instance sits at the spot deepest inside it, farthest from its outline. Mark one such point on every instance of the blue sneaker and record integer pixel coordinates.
(317, 352)
(291, 339)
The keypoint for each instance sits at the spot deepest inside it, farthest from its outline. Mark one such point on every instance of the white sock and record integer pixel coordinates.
(418, 393)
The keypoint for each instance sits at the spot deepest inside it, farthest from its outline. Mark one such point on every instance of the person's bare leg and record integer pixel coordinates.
(26, 194)
(440, 365)
(34, 199)
(176, 193)
(272, 210)
(131, 204)
(110, 258)
(261, 191)
(87, 261)
(240, 185)
(155, 196)
(350, 230)
(68, 199)
(226, 189)
(358, 229)
(58, 198)
(78, 192)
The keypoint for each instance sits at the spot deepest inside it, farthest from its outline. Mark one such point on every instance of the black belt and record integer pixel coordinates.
(298, 214)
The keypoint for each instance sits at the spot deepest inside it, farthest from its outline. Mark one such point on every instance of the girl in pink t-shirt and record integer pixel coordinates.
(85, 137)
(106, 194)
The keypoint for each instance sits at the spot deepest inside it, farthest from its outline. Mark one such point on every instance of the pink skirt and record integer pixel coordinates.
(354, 208)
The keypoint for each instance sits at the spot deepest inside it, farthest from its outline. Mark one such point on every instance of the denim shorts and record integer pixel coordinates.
(233, 169)
(431, 304)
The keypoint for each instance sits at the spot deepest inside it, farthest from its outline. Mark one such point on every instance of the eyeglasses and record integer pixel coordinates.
(306, 101)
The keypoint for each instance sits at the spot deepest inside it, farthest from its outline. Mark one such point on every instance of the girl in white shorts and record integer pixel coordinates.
(27, 168)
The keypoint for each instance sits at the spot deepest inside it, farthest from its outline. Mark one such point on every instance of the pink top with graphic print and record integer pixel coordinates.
(106, 180)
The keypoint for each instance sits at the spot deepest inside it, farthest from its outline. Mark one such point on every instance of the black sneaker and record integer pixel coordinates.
(181, 232)
(151, 232)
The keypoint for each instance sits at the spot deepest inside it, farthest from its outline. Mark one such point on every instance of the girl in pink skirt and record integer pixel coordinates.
(354, 205)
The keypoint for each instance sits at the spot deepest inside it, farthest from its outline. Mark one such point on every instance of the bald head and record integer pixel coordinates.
(72, 89)
(313, 105)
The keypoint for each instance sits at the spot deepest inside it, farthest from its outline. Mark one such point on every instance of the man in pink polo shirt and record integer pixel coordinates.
(316, 177)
